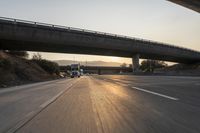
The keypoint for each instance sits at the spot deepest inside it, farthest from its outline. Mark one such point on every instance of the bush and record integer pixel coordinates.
(123, 65)
(37, 56)
(49, 66)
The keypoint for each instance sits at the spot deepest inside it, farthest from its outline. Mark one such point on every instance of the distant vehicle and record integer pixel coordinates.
(81, 72)
(75, 70)
(75, 74)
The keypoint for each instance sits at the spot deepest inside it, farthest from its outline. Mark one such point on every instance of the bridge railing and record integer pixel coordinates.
(15, 21)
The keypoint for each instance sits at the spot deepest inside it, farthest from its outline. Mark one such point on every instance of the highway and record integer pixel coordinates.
(103, 104)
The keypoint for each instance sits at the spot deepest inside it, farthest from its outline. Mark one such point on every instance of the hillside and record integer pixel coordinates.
(89, 63)
(15, 71)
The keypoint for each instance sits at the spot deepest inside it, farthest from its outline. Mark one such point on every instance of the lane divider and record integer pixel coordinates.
(28, 117)
(54, 98)
(147, 91)
(27, 86)
(155, 93)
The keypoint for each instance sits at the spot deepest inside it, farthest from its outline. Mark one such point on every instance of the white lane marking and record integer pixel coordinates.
(50, 100)
(119, 83)
(155, 93)
(30, 113)
(16, 88)
(106, 80)
(122, 84)
(53, 99)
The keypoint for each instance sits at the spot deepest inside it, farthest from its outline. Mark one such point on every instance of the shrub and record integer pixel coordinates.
(49, 66)
(123, 65)
(37, 56)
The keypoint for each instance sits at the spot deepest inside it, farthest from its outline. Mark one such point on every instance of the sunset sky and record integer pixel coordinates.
(157, 20)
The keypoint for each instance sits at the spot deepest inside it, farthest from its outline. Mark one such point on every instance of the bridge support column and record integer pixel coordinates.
(99, 71)
(135, 63)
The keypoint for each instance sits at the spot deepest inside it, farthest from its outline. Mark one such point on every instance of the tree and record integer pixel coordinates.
(37, 56)
(49, 66)
(123, 65)
(130, 66)
(150, 65)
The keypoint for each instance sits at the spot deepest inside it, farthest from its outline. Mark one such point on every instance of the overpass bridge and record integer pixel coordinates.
(191, 4)
(98, 69)
(18, 34)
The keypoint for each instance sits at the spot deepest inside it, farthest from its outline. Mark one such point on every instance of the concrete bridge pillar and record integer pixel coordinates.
(135, 62)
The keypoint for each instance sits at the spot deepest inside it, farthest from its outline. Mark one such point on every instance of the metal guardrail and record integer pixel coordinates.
(15, 21)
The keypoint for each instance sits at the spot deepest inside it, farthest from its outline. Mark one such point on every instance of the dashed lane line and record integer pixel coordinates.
(155, 93)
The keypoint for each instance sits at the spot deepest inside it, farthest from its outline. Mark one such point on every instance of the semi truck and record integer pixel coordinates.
(75, 70)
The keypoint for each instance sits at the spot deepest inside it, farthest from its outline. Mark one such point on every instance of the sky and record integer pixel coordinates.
(157, 20)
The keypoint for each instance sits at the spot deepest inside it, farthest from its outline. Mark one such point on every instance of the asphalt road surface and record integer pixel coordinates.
(103, 104)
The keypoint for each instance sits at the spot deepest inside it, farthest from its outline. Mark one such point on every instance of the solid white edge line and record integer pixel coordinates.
(34, 113)
(54, 98)
(51, 100)
(155, 93)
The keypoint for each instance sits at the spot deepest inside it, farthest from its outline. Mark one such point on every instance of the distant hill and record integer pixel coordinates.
(89, 63)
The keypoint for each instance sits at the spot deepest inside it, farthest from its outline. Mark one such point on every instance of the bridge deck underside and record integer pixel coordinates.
(192, 4)
(39, 38)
